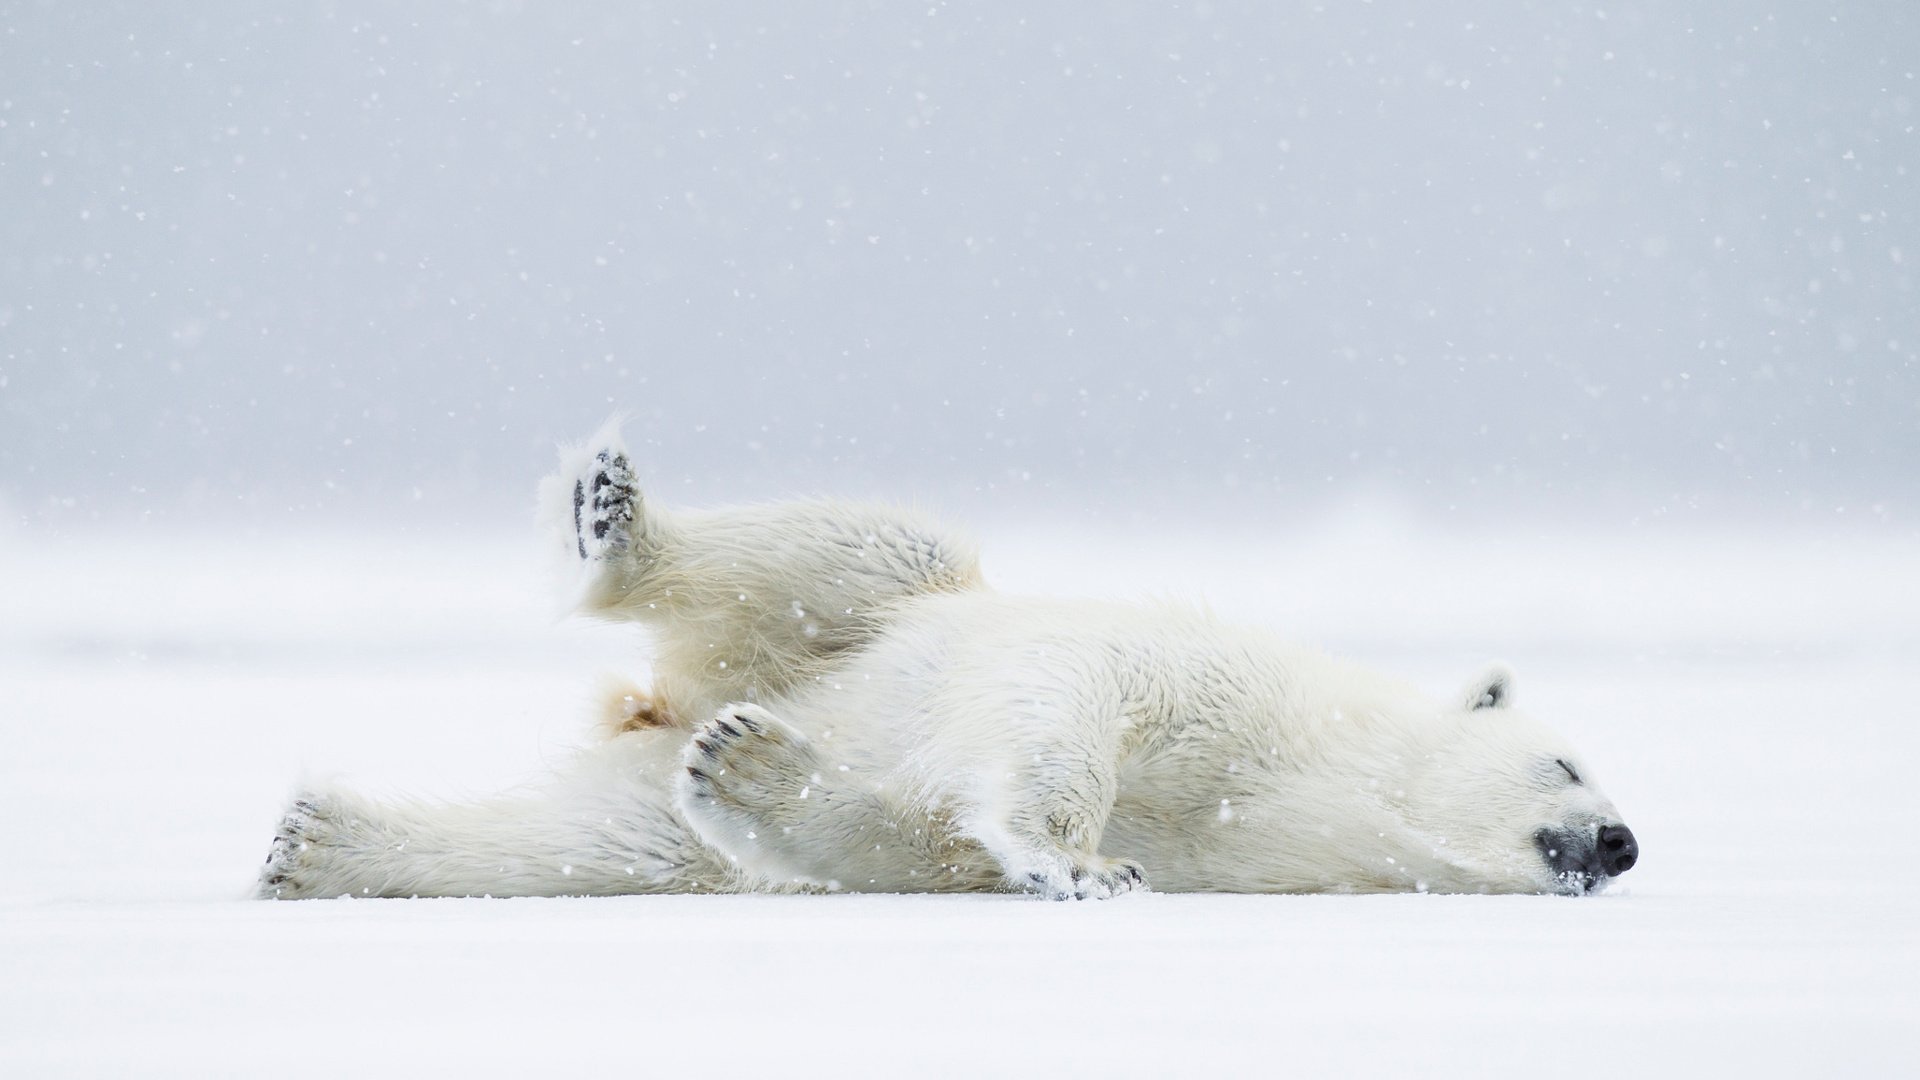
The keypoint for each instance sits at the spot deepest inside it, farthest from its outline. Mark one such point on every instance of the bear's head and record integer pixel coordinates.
(1512, 804)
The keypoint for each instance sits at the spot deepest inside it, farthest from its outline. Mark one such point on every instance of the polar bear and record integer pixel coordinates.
(841, 703)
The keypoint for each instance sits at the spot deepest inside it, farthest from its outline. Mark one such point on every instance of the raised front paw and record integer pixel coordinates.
(1086, 877)
(603, 505)
(755, 789)
(745, 760)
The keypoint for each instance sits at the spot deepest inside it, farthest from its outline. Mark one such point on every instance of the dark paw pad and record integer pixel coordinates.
(603, 505)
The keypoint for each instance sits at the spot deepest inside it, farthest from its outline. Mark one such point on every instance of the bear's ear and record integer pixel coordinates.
(1492, 690)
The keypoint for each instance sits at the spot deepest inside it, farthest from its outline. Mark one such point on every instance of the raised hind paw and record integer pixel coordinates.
(603, 533)
(604, 504)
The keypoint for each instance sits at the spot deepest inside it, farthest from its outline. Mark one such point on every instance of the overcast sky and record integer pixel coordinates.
(322, 261)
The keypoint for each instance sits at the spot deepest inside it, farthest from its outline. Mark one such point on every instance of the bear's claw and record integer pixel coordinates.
(1086, 878)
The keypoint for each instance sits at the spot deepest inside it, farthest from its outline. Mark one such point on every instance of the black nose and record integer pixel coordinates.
(1618, 851)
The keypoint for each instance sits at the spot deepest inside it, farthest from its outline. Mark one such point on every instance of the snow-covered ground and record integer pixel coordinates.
(1747, 698)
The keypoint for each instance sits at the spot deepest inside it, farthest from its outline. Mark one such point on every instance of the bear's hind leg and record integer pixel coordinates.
(604, 826)
(612, 537)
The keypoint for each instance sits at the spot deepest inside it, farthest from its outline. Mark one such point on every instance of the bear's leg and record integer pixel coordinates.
(605, 826)
(1057, 871)
(1043, 822)
(764, 794)
(614, 540)
(748, 602)
(811, 564)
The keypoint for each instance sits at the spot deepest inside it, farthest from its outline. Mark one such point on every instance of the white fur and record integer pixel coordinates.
(843, 704)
